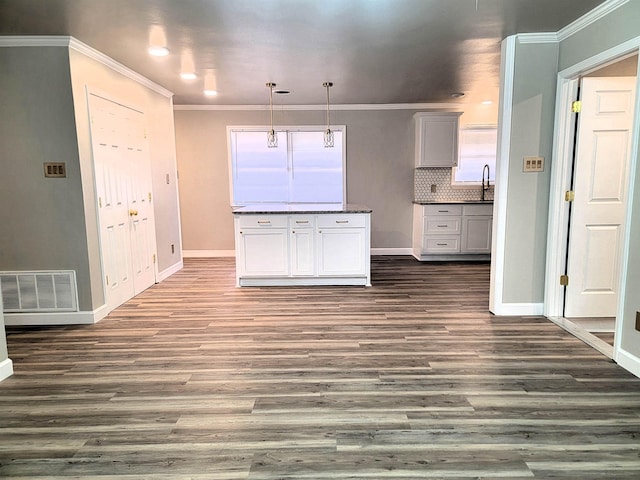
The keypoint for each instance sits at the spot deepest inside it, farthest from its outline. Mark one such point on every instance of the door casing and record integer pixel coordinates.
(567, 88)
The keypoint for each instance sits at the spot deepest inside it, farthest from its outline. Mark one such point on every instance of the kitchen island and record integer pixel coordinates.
(302, 244)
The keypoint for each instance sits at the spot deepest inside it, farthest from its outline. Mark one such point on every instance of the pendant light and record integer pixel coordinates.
(328, 134)
(272, 136)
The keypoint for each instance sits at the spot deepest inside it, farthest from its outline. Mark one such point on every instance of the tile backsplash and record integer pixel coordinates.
(424, 178)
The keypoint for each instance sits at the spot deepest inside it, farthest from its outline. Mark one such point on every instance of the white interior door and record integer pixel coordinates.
(142, 231)
(601, 190)
(123, 188)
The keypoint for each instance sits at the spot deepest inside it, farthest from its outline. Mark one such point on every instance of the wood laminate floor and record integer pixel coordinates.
(411, 378)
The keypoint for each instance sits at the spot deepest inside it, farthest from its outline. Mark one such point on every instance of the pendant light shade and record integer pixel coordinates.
(328, 134)
(272, 136)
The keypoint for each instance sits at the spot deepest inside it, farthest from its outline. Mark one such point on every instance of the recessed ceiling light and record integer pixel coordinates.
(158, 51)
(210, 93)
(280, 91)
(457, 95)
(188, 76)
(487, 102)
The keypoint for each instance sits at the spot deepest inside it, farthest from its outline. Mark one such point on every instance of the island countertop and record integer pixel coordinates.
(454, 202)
(296, 208)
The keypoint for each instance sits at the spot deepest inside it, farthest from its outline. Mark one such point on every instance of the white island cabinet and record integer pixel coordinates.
(286, 246)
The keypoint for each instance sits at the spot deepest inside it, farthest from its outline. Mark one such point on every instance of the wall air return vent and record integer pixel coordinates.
(53, 291)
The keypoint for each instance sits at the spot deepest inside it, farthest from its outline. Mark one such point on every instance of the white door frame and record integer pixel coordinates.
(560, 178)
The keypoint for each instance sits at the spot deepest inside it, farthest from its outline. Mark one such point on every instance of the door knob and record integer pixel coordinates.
(133, 213)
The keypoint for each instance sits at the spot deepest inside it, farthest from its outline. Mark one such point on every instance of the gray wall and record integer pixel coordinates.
(51, 224)
(380, 162)
(614, 29)
(4, 353)
(87, 73)
(528, 194)
(43, 222)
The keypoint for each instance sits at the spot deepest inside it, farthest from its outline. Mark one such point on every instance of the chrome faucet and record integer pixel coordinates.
(485, 188)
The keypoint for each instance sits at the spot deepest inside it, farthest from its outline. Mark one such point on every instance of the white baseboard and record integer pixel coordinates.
(208, 253)
(232, 253)
(55, 318)
(166, 273)
(518, 309)
(6, 369)
(628, 361)
(392, 251)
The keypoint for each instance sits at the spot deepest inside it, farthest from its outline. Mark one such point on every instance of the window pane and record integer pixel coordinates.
(316, 171)
(299, 170)
(477, 147)
(259, 173)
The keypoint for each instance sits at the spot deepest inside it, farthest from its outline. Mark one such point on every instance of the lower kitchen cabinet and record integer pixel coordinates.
(262, 246)
(302, 240)
(452, 231)
(314, 249)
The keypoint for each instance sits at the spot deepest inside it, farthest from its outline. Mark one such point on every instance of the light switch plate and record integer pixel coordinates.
(55, 169)
(533, 164)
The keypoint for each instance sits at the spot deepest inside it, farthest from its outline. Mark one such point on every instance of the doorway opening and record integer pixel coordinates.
(594, 152)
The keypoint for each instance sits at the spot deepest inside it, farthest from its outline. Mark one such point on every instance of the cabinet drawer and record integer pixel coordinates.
(302, 221)
(442, 225)
(441, 210)
(262, 221)
(441, 244)
(339, 220)
(482, 209)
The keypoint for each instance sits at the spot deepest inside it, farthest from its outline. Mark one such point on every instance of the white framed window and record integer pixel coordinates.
(477, 147)
(299, 170)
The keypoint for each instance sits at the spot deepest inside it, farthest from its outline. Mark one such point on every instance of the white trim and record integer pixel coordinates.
(501, 184)
(562, 149)
(626, 246)
(628, 361)
(547, 37)
(589, 18)
(6, 369)
(83, 48)
(601, 59)
(355, 106)
(519, 309)
(208, 253)
(392, 251)
(53, 318)
(587, 337)
(558, 224)
(34, 41)
(167, 272)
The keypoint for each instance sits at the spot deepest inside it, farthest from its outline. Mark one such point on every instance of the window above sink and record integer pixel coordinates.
(477, 147)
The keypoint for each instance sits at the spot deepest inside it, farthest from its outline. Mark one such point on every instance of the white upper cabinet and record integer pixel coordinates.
(436, 139)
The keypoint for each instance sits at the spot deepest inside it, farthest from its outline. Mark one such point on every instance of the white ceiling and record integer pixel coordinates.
(375, 51)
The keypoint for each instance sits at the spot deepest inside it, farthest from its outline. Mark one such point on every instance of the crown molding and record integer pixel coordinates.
(34, 41)
(346, 106)
(550, 37)
(589, 18)
(83, 48)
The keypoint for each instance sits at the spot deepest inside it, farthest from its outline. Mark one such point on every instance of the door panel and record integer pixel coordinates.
(123, 187)
(601, 189)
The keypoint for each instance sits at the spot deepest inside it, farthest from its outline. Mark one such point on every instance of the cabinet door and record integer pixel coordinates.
(302, 257)
(476, 234)
(342, 251)
(263, 251)
(437, 140)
